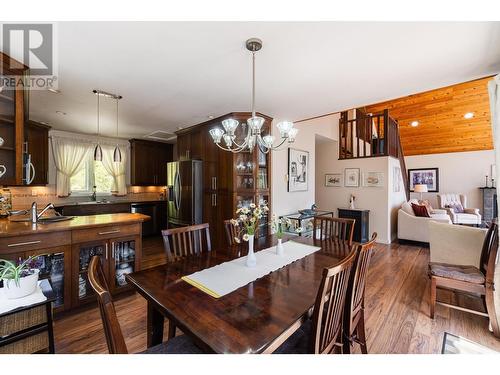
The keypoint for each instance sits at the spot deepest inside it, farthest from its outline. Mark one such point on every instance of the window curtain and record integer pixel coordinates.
(69, 155)
(494, 91)
(116, 170)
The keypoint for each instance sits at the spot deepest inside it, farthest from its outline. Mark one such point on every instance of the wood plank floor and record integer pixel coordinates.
(397, 304)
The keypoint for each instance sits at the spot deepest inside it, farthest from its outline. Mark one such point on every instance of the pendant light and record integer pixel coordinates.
(117, 154)
(98, 149)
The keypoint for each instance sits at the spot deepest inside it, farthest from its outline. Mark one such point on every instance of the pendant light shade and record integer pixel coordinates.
(98, 153)
(117, 155)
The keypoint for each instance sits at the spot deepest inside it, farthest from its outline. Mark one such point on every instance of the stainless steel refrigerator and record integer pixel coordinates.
(185, 193)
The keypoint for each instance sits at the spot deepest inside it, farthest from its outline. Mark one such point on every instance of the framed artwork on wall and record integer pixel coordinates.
(333, 179)
(373, 179)
(351, 177)
(424, 176)
(298, 174)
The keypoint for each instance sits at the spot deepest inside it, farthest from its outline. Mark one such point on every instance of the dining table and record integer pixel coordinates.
(255, 318)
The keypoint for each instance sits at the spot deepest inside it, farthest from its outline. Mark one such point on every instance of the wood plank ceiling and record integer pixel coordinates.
(440, 114)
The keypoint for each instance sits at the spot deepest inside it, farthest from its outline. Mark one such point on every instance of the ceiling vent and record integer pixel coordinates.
(160, 135)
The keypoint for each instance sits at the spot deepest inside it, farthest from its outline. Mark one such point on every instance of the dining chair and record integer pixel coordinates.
(186, 241)
(231, 232)
(333, 228)
(470, 279)
(354, 315)
(323, 333)
(112, 330)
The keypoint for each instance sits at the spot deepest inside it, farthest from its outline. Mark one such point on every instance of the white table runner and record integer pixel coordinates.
(10, 304)
(225, 278)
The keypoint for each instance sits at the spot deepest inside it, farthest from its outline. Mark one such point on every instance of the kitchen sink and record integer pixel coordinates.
(54, 219)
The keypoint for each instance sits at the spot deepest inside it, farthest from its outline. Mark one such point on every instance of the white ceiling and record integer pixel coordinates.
(175, 74)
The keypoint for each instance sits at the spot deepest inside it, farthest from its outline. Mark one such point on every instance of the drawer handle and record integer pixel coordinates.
(23, 243)
(109, 232)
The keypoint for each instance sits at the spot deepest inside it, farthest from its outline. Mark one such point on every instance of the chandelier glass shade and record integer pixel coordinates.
(226, 138)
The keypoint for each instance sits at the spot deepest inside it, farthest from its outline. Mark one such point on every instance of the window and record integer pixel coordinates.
(92, 172)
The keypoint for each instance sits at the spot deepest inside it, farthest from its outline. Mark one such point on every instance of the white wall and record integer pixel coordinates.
(459, 172)
(379, 200)
(395, 198)
(284, 202)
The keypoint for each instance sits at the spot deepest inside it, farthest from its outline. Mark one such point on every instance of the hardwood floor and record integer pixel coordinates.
(397, 310)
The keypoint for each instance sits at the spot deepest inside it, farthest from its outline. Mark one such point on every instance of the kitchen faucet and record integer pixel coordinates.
(93, 197)
(34, 215)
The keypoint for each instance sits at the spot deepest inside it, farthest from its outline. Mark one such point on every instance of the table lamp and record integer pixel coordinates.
(420, 188)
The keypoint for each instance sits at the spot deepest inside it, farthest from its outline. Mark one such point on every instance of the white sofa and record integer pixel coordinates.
(461, 245)
(415, 228)
(469, 216)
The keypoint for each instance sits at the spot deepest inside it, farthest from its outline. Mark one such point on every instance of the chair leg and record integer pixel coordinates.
(171, 329)
(360, 332)
(346, 345)
(433, 297)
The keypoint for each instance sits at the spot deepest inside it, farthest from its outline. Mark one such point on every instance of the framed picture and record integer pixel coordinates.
(351, 177)
(396, 179)
(373, 179)
(333, 179)
(424, 176)
(298, 174)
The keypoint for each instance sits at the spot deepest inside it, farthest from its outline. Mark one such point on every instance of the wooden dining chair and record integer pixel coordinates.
(186, 241)
(333, 228)
(354, 315)
(470, 279)
(323, 334)
(231, 232)
(112, 330)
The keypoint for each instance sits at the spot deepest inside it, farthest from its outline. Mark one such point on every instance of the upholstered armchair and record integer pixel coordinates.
(469, 216)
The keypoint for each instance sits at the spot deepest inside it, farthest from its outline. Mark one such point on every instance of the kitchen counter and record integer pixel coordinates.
(100, 203)
(11, 228)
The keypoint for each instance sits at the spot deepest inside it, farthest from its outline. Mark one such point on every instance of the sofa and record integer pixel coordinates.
(461, 245)
(415, 228)
(470, 216)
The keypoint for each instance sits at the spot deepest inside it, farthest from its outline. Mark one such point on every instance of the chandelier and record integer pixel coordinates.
(253, 137)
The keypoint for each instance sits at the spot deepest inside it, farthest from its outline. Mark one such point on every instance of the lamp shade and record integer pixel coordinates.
(420, 188)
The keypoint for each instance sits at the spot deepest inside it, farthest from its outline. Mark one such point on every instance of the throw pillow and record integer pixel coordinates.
(457, 207)
(420, 210)
(427, 204)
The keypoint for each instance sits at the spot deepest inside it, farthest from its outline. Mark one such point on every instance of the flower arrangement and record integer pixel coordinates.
(10, 270)
(248, 220)
(279, 224)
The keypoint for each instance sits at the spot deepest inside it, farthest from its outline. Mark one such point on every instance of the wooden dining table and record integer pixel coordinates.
(255, 318)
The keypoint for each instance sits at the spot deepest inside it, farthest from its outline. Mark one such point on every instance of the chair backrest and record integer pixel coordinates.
(489, 252)
(186, 241)
(333, 228)
(231, 232)
(357, 283)
(451, 198)
(329, 307)
(112, 330)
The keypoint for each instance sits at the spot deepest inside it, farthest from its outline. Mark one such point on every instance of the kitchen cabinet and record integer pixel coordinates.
(190, 145)
(13, 113)
(149, 162)
(37, 140)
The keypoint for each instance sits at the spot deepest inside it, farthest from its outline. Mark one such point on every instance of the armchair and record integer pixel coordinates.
(469, 216)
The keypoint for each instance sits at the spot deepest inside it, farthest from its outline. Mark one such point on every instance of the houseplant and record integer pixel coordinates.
(19, 278)
(247, 223)
(278, 225)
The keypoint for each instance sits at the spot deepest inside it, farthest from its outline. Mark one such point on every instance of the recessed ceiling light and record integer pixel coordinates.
(61, 113)
(414, 123)
(54, 91)
(210, 117)
(179, 128)
(469, 115)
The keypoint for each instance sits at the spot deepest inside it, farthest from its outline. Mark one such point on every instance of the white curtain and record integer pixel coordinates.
(116, 170)
(69, 155)
(494, 90)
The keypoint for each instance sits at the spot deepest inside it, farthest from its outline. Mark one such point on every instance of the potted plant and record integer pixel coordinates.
(19, 278)
(247, 222)
(278, 225)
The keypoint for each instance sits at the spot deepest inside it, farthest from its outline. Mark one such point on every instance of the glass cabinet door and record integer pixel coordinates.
(84, 291)
(52, 268)
(123, 261)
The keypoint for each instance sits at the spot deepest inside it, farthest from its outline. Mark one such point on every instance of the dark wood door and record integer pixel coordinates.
(37, 137)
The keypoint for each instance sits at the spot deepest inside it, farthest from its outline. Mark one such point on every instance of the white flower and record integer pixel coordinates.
(252, 205)
(298, 230)
(273, 217)
(237, 240)
(252, 220)
(265, 208)
(245, 237)
(243, 217)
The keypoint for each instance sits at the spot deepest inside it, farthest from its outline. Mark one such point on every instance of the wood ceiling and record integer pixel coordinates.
(440, 113)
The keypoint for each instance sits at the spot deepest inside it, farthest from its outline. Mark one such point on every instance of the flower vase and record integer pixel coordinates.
(279, 247)
(251, 259)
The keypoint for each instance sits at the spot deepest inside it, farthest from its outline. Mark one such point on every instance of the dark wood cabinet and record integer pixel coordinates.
(149, 162)
(362, 224)
(229, 180)
(37, 140)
